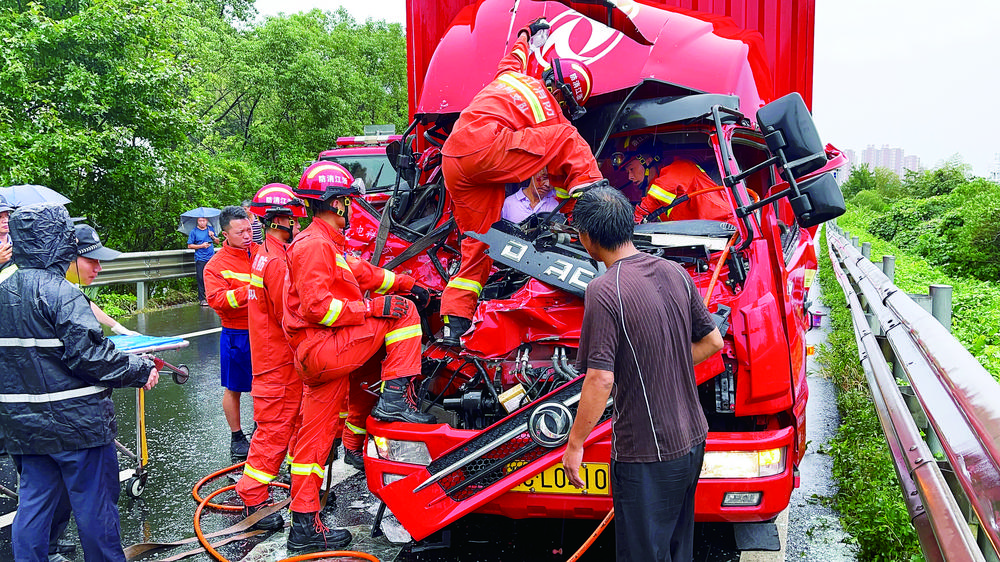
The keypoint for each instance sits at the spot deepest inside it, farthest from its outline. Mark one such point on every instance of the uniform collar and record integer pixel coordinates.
(336, 236)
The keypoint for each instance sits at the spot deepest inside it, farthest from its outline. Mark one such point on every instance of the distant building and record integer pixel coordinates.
(891, 158)
(995, 168)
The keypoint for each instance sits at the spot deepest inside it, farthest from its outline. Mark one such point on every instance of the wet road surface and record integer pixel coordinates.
(189, 439)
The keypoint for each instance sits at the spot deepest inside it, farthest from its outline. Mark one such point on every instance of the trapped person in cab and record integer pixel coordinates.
(535, 198)
(57, 371)
(510, 131)
(644, 329)
(334, 330)
(665, 184)
(227, 282)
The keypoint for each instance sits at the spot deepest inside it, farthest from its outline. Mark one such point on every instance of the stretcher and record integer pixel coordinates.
(146, 345)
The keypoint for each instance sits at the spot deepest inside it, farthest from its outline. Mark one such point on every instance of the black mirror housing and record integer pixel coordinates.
(788, 126)
(820, 200)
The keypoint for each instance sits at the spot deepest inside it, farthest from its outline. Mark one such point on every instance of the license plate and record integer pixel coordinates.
(553, 480)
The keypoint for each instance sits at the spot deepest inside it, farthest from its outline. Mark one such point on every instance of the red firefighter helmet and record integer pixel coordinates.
(324, 180)
(277, 199)
(574, 80)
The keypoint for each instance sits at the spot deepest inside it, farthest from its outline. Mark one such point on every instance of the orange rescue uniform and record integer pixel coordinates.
(277, 388)
(332, 335)
(512, 129)
(683, 177)
(227, 282)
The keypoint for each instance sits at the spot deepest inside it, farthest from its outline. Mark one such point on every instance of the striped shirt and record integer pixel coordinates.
(640, 319)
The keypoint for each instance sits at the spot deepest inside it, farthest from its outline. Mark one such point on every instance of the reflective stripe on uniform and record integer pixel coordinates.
(343, 263)
(343, 415)
(7, 272)
(51, 396)
(661, 194)
(355, 429)
(257, 281)
(289, 458)
(231, 297)
(387, 283)
(331, 315)
(307, 469)
(30, 342)
(527, 93)
(466, 285)
(403, 334)
(258, 475)
(227, 274)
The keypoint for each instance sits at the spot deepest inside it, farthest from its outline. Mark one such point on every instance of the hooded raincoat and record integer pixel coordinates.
(56, 367)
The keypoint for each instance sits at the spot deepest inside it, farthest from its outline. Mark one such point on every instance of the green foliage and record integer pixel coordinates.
(138, 110)
(861, 179)
(869, 497)
(940, 181)
(871, 199)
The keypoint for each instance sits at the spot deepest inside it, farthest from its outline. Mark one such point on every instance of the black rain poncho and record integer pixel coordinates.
(56, 367)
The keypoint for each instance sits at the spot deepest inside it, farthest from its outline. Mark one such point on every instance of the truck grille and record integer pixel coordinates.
(505, 459)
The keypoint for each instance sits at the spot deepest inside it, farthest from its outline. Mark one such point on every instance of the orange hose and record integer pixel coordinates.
(215, 553)
(718, 268)
(593, 536)
(216, 474)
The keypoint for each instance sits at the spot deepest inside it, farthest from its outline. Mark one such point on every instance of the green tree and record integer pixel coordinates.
(861, 179)
(939, 181)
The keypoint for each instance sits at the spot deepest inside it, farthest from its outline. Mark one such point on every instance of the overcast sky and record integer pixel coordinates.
(922, 75)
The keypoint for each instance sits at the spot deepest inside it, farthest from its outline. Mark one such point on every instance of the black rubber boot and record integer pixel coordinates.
(398, 403)
(239, 447)
(272, 522)
(355, 459)
(454, 328)
(309, 533)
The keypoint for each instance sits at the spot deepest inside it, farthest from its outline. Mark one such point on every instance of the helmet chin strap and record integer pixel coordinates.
(287, 229)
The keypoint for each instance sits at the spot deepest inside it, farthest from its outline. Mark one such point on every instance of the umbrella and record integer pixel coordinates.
(189, 219)
(23, 195)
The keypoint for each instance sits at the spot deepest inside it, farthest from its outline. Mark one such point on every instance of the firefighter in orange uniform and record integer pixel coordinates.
(512, 129)
(667, 183)
(333, 331)
(227, 280)
(277, 388)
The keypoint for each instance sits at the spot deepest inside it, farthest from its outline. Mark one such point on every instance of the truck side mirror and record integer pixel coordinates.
(788, 127)
(819, 200)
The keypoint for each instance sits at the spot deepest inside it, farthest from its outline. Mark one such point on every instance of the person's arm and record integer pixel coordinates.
(593, 401)
(315, 272)
(706, 346)
(192, 239)
(215, 238)
(378, 280)
(110, 322)
(222, 293)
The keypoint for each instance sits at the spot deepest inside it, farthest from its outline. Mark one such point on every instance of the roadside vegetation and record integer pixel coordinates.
(943, 227)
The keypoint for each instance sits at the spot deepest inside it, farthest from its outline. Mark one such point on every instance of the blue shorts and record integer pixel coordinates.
(234, 353)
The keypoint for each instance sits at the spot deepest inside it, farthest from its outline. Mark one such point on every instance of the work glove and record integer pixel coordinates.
(642, 210)
(390, 306)
(538, 31)
(420, 297)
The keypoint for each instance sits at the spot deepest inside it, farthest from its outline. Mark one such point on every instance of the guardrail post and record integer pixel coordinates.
(855, 241)
(140, 295)
(889, 267)
(866, 250)
(941, 304)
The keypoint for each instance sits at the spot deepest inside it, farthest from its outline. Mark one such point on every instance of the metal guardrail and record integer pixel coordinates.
(923, 380)
(143, 267)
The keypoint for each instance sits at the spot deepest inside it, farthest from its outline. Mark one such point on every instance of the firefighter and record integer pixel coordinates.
(276, 389)
(334, 330)
(227, 281)
(664, 184)
(512, 129)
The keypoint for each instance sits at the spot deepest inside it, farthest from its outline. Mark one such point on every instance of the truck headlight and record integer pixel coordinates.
(412, 452)
(743, 464)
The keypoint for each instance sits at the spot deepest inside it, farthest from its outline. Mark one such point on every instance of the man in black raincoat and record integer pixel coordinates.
(56, 374)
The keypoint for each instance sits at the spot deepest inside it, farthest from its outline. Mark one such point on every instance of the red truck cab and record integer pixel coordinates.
(364, 156)
(698, 86)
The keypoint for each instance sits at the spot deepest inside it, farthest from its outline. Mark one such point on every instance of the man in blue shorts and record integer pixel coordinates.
(227, 282)
(201, 240)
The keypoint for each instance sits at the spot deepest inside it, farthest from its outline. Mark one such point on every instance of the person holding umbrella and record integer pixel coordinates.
(201, 240)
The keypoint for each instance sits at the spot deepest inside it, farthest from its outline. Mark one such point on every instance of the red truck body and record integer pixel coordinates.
(694, 82)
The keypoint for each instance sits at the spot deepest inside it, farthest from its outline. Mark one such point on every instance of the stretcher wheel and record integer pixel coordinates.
(182, 374)
(135, 485)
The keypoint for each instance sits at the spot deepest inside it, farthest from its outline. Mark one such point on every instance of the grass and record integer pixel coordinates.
(869, 497)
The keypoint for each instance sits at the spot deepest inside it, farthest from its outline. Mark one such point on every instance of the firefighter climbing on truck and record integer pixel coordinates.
(510, 131)
(334, 330)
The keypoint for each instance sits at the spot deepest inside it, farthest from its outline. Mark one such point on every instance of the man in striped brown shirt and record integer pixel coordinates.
(644, 329)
